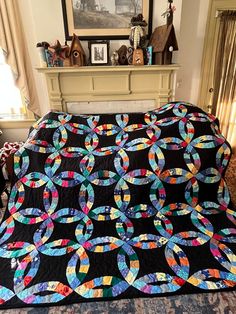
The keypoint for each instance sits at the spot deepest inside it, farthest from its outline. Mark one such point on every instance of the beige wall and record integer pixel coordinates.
(191, 41)
(43, 21)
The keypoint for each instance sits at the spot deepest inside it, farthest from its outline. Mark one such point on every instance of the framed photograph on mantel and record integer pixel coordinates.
(104, 19)
(99, 52)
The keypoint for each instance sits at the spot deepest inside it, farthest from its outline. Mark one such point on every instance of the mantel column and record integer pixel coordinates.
(54, 91)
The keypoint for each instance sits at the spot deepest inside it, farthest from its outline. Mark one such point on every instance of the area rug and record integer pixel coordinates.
(118, 206)
(210, 303)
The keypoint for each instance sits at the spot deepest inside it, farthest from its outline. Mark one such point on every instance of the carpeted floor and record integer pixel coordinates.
(204, 303)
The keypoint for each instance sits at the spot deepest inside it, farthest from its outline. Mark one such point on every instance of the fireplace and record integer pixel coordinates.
(104, 89)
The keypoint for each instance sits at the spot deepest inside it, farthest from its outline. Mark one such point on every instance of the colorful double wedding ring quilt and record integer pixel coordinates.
(118, 206)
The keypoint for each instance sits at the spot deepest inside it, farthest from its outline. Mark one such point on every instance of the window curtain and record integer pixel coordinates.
(13, 43)
(224, 99)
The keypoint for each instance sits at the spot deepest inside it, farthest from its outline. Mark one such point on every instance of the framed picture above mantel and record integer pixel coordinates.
(103, 19)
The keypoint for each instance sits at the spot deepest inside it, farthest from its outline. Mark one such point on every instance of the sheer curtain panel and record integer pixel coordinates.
(13, 44)
(224, 98)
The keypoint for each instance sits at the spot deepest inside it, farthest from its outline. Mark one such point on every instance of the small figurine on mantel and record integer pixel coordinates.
(137, 40)
(59, 54)
(115, 58)
(122, 52)
(41, 47)
(163, 39)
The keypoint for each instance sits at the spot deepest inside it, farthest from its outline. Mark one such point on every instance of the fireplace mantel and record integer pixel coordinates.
(109, 83)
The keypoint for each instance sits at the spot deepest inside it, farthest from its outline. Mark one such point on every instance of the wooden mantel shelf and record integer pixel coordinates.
(109, 83)
(118, 68)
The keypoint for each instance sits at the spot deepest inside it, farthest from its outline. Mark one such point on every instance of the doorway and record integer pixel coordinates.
(209, 52)
(218, 84)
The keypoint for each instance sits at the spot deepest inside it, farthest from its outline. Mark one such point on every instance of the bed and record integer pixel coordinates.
(117, 206)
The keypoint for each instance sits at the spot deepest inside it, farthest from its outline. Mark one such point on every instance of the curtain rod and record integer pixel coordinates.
(218, 12)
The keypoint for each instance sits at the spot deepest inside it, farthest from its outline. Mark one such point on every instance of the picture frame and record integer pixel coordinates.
(108, 20)
(98, 52)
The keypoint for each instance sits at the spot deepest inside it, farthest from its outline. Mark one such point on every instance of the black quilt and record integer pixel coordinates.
(118, 206)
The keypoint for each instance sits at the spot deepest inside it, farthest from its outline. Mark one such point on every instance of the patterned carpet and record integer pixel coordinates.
(207, 303)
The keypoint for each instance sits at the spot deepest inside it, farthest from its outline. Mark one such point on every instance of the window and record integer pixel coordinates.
(11, 106)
